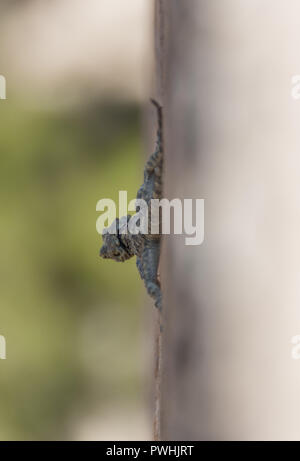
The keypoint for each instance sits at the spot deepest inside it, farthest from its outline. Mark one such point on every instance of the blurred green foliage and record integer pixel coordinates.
(70, 319)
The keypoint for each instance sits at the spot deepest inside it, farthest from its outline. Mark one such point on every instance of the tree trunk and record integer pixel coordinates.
(232, 138)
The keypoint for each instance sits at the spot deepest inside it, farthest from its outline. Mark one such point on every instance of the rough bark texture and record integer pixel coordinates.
(232, 138)
(159, 85)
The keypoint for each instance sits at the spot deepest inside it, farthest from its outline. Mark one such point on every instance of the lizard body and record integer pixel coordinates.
(120, 246)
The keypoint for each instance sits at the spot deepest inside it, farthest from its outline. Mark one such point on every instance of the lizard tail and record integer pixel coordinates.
(159, 117)
(156, 159)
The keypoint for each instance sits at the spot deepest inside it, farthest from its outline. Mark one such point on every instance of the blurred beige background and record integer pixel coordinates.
(74, 49)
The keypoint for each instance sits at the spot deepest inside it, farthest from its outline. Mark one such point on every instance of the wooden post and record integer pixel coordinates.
(232, 137)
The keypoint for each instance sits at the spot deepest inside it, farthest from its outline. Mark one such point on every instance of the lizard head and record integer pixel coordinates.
(114, 246)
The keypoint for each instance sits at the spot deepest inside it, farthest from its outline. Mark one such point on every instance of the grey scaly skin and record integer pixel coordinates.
(121, 246)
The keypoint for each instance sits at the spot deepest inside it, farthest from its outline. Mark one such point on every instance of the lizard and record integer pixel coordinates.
(120, 244)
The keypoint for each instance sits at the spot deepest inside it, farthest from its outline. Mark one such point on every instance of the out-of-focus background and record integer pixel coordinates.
(78, 75)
